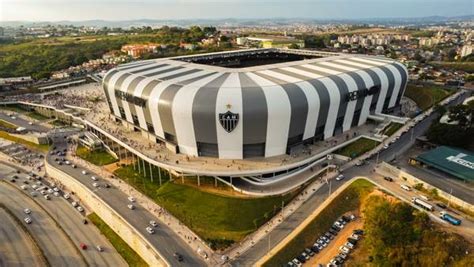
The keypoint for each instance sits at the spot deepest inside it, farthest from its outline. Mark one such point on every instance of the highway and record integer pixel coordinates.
(57, 247)
(15, 246)
(71, 221)
(164, 239)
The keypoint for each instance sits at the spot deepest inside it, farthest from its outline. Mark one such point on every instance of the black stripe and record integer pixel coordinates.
(299, 107)
(255, 112)
(204, 112)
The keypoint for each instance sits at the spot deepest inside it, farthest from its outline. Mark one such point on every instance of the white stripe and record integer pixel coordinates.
(383, 83)
(156, 93)
(279, 115)
(312, 98)
(351, 86)
(397, 86)
(126, 84)
(334, 98)
(230, 144)
(182, 109)
(111, 87)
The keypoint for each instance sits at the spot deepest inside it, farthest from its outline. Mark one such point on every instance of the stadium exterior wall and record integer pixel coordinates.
(261, 111)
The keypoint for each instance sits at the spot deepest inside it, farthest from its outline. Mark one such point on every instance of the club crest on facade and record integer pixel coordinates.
(229, 120)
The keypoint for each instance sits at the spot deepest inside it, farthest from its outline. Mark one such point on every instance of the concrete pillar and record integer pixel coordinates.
(182, 178)
(133, 162)
(144, 169)
(151, 172)
(138, 163)
(159, 175)
(199, 181)
(231, 180)
(215, 182)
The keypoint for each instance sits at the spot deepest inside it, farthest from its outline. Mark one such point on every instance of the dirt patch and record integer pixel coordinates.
(328, 253)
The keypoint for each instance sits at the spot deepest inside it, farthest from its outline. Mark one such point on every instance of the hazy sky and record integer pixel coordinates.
(53, 10)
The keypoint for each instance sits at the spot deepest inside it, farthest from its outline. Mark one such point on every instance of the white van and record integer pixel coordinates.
(425, 198)
(405, 187)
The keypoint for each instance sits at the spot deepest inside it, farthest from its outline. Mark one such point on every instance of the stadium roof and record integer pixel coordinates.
(457, 162)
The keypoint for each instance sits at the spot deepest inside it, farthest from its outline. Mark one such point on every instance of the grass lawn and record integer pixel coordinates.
(14, 108)
(127, 253)
(357, 148)
(220, 220)
(31, 145)
(36, 116)
(426, 96)
(348, 200)
(57, 123)
(98, 157)
(392, 128)
(7, 125)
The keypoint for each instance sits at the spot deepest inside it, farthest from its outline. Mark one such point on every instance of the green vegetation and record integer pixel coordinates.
(348, 200)
(31, 145)
(392, 128)
(127, 253)
(40, 57)
(463, 66)
(35, 115)
(14, 108)
(97, 157)
(357, 147)
(57, 123)
(398, 235)
(7, 125)
(458, 135)
(426, 96)
(218, 219)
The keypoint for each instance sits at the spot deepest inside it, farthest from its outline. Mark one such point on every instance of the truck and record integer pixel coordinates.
(447, 217)
(422, 204)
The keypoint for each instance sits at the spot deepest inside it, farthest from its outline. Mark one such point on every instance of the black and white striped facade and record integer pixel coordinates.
(270, 109)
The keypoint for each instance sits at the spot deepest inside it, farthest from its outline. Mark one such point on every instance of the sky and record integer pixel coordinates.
(74, 10)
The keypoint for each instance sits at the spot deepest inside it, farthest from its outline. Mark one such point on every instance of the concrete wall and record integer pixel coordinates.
(128, 233)
(392, 171)
(40, 140)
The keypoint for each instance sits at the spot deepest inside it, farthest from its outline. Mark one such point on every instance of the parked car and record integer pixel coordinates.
(99, 248)
(386, 178)
(309, 252)
(178, 256)
(340, 177)
(153, 223)
(83, 246)
(80, 209)
(131, 206)
(131, 199)
(27, 211)
(150, 230)
(28, 220)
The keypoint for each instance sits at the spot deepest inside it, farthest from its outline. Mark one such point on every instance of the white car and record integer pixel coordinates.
(84, 172)
(50, 191)
(344, 249)
(340, 177)
(67, 162)
(80, 209)
(28, 220)
(131, 199)
(99, 248)
(56, 194)
(27, 211)
(24, 187)
(34, 186)
(153, 223)
(74, 204)
(94, 178)
(131, 206)
(33, 194)
(150, 230)
(95, 185)
(66, 196)
(30, 123)
(56, 189)
(47, 197)
(349, 245)
(43, 192)
(385, 146)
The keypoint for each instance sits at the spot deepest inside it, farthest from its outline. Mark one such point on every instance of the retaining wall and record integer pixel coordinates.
(120, 226)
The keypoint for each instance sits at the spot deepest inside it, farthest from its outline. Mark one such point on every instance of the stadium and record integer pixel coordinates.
(256, 103)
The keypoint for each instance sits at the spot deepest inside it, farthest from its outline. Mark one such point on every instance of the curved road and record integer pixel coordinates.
(71, 221)
(57, 248)
(15, 246)
(164, 239)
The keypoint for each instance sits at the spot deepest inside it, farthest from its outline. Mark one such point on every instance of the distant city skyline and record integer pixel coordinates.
(74, 10)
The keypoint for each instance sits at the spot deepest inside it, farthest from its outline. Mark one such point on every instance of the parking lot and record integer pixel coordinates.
(22, 154)
(335, 246)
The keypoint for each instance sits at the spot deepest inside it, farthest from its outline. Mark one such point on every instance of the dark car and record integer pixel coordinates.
(329, 235)
(441, 205)
(301, 258)
(178, 256)
(315, 249)
(84, 221)
(332, 231)
(358, 231)
(334, 228)
(352, 241)
(386, 178)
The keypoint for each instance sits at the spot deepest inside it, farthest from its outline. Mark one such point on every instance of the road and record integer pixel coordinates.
(15, 246)
(164, 239)
(19, 122)
(57, 247)
(405, 141)
(71, 221)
